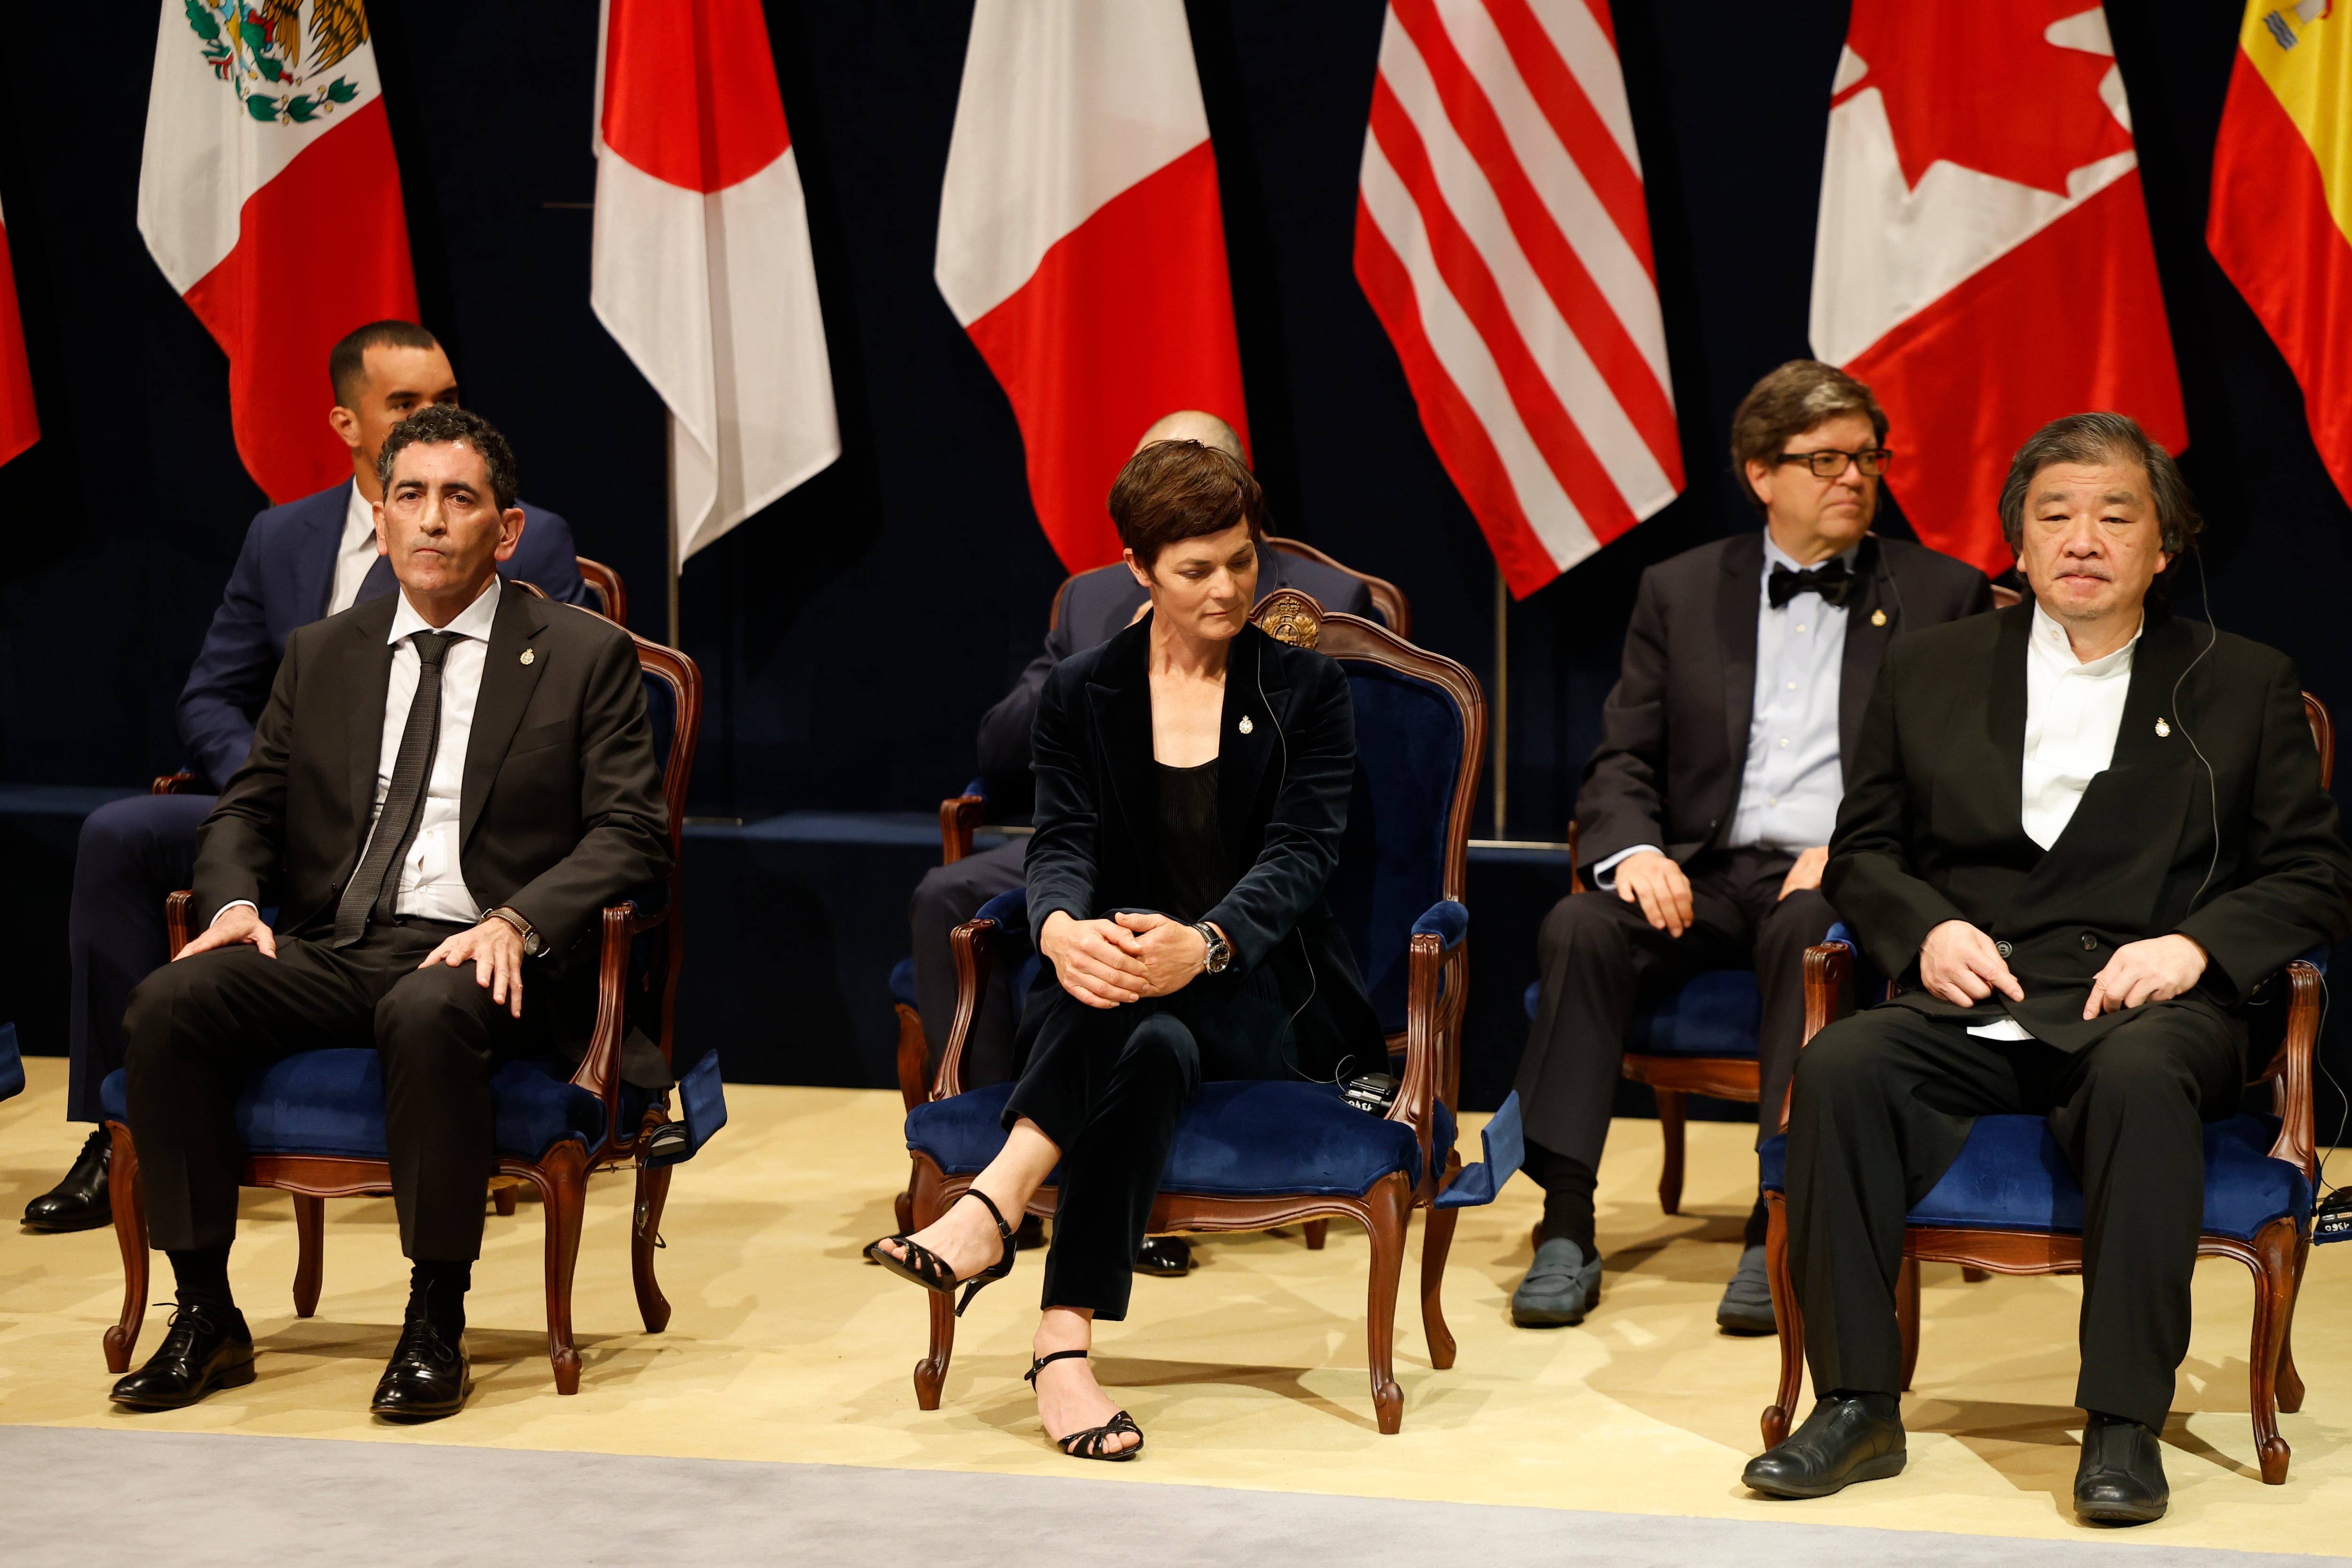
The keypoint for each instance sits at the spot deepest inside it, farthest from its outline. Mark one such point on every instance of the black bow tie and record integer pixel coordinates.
(1830, 580)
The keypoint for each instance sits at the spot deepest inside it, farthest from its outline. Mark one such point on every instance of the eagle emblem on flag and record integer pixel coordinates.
(261, 51)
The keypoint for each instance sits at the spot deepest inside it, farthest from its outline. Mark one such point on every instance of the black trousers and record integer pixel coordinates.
(946, 897)
(1883, 1101)
(1108, 1085)
(200, 1027)
(1601, 962)
(131, 854)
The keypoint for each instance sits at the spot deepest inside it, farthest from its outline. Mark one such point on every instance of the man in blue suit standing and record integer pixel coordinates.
(301, 561)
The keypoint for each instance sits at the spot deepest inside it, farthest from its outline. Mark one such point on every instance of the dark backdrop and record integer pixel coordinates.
(855, 631)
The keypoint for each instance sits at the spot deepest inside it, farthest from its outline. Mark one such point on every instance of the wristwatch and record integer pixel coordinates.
(533, 943)
(1218, 955)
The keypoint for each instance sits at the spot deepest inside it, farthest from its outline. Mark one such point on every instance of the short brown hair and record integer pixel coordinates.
(1788, 402)
(1173, 490)
(2092, 440)
(347, 360)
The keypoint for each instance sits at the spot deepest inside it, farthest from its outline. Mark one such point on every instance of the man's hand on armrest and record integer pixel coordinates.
(238, 922)
(1959, 964)
(1653, 881)
(495, 950)
(2156, 970)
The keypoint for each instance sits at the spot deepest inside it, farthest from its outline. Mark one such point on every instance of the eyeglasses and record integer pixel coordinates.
(1829, 464)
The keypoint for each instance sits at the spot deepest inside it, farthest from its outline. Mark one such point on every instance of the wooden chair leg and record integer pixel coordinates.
(1317, 1231)
(1436, 1241)
(652, 1192)
(931, 1372)
(1388, 1201)
(130, 1206)
(563, 1178)
(503, 1199)
(2290, 1381)
(1782, 1412)
(1671, 1103)
(1907, 1317)
(310, 1252)
(2272, 1262)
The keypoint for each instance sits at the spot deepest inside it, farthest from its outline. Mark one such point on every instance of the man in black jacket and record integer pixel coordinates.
(446, 787)
(2079, 833)
(1705, 811)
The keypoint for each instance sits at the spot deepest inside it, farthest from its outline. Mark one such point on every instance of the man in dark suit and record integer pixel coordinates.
(446, 787)
(1705, 813)
(2079, 832)
(1095, 607)
(302, 561)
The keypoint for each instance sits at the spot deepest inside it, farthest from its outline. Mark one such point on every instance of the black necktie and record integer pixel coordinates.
(1830, 580)
(374, 883)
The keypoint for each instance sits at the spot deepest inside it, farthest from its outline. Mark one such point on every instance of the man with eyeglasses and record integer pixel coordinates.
(1706, 809)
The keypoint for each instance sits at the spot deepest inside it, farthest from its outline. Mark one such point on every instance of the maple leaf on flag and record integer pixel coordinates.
(1981, 86)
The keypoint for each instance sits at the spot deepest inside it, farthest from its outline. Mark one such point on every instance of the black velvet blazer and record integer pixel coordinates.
(1285, 765)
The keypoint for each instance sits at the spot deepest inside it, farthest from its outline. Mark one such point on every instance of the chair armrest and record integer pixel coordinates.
(1436, 991)
(176, 908)
(972, 944)
(1575, 877)
(600, 1066)
(1446, 920)
(182, 783)
(958, 816)
(2290, 1071)
(1828, 995)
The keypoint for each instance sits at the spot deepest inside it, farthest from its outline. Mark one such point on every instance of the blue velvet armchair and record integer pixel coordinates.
(2011, 1205)
(312, 1123)
(1249, 1155)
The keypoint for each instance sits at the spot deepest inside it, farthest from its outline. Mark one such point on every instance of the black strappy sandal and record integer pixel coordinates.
(1092, 1443)
(929, 1270)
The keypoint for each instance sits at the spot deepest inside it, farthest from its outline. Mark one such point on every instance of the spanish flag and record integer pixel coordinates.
(2280, 220)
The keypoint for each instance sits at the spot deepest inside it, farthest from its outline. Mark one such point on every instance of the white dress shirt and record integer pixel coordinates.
(1791, 786)
(430, 885)
(355, 554)
(2073, 711)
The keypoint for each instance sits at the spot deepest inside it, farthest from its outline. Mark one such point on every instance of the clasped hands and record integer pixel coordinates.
(494, 948)
(1104, 963)
(1959, 964)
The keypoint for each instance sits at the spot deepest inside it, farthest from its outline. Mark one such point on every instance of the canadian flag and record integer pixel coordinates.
(19, 428)
(269, 196)
(702, 270)
(1081, 244)
(1982, 260)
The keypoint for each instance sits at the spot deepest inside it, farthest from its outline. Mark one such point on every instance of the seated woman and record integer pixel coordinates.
(1192, 783)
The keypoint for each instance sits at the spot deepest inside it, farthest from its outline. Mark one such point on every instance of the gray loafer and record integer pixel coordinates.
(1561, 1286)
(1747, 1304)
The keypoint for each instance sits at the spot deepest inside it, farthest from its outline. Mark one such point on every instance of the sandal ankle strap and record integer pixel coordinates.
(1040, 1364)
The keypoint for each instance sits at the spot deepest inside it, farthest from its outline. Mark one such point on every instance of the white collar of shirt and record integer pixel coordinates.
(2049, 641)
(354, 552)
(474, 621)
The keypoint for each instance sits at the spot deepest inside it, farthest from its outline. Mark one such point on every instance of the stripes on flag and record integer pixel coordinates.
(1502, 240)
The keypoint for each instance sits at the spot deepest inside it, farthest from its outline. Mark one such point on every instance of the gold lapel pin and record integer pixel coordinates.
(1245, 724)
(2162, 729)
(1878, 618)
(528, 656)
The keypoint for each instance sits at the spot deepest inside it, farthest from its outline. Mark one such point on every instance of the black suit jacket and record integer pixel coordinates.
(561, 811)
(1674, 733)
(1282, 808)
(1930, 829)
(1096, 606)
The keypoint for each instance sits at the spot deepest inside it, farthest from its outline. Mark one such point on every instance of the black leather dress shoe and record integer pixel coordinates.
(1169, 1256)
(2121, 1477)
(203, 1349)
(1841, 1442)
(426, 1377)
(80, 1202)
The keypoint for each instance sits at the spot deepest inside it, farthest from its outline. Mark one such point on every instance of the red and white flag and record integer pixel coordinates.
(1502, 240)
(268, 196)
(1983, 257)
(702, 271)
(1081, 244)
(20, 428)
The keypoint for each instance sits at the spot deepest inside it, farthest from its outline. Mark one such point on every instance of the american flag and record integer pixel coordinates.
(1501, 238)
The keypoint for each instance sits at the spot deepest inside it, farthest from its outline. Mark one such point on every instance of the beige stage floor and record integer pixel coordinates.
(786, 1346)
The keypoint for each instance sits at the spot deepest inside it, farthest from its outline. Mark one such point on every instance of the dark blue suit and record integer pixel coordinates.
(133, 852)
